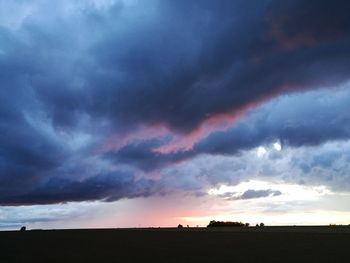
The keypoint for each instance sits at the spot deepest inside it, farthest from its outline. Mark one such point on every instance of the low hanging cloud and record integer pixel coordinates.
(252, 194)
(130, 69)
(74, 76)
(300, 120)
(110, 187)
(303, 119)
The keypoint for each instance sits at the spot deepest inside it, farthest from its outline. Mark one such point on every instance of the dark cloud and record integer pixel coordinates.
(109, 187)
(175, 63)
(26, 154)
(307, 119)
(251, 194)
(180, 80)
(151, 68)
(141, 154)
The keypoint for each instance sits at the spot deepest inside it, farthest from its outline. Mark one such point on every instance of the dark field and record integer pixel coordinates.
(267, 244)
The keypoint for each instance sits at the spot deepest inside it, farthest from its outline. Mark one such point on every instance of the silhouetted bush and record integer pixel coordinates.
(179, 226)
(23, 228)
(214, 223)
(262, 224)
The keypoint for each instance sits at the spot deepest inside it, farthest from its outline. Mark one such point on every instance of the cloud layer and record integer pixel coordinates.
(101, 99)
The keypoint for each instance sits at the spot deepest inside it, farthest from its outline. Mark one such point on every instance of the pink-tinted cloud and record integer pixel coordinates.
(215, 122)
(118, 140)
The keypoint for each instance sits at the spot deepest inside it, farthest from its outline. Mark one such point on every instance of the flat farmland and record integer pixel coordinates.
(253, 244)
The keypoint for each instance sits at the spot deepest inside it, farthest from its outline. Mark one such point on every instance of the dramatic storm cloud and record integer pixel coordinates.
(105, 100)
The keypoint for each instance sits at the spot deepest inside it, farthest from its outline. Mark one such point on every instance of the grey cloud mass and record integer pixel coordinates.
(251, 194)
(72, 73)
(299, 120)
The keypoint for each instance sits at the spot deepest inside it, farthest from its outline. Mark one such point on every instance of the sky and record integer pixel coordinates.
(130, 113)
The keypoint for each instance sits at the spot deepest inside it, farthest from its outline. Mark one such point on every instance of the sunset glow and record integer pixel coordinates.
(130, 113)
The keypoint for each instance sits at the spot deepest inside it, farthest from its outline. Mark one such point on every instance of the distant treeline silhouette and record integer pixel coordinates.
(214, 223)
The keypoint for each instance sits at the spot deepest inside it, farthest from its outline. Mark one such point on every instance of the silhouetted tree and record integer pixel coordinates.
(214, 223)
(23, 228)
(179, 226)
(246, 224)
(262, 224)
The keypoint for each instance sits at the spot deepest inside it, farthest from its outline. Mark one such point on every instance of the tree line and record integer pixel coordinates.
(214, 223)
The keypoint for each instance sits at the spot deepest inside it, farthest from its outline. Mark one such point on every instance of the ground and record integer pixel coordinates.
(253, 244)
